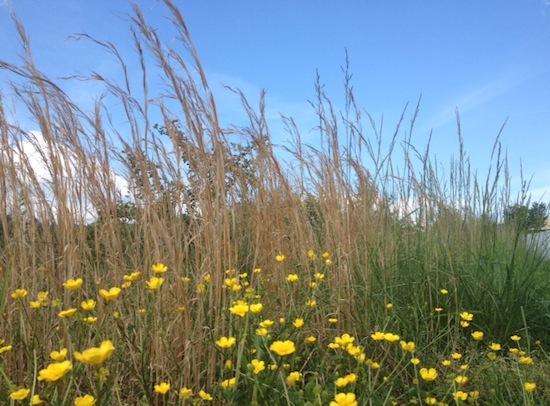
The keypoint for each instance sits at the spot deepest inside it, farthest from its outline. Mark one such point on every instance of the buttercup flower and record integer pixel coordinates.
(36, 400)
(430, 401)
(283, 348)
(298, 323)
(293, 378)
(229, 383)
(526, 360)
(391, 337)
(226, 342)
(134, 276)
(456, 356)
(110, 294)
(495, 347)
(428, 374)
(185, 393)
(408, 346)
(19, 294)
(205, 396)
(529, 387)
(378, 336)
(446, 363)
(344, 399)
(240, 309)
(154, 283)
(159, 268)
(86, 400)
(444, 291)
(65, 314)
(258, 366)
(415, 361)
(162, 388)
(344, 340)
(461, 379)
(55, 371)
(96, 356)
(256, 307)
(280, 258)
(20, 394)
(466, 316)
(477, 335)
(459, 395)
(292, 278)
(515, 338)
(88, 305)
(73, 284)
(59, 355)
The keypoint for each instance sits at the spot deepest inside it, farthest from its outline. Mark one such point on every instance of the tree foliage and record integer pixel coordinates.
(527, 218)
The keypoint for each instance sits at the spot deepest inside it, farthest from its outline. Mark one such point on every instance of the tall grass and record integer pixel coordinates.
(204, 199)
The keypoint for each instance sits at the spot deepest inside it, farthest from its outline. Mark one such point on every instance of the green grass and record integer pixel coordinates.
(407, 252)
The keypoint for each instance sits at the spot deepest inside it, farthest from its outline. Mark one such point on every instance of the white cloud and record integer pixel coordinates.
(38, 162)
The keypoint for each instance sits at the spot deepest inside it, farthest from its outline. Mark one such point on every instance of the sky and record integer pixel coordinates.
(489, 60)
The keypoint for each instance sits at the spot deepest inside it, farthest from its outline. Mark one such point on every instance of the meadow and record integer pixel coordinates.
(349, 271)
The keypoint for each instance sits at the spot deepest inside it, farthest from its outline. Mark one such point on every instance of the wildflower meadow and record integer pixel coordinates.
(350, 271)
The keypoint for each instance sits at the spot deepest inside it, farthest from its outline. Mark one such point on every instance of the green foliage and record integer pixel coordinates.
(527, 218)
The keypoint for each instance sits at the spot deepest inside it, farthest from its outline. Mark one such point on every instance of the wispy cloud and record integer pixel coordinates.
(479, 96)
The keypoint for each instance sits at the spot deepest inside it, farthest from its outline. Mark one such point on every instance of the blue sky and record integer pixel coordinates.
(488, 59)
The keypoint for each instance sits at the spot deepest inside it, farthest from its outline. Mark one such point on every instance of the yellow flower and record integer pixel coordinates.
(87, 400)
(464, 323)
(526, 360)
(5, 348)
(262, 332)
(461, 380)
(344, 399)
(311, 254)
(226, 342)
(459, 395)
(515, 338)
(73, 284)
(256, 307)
(154, 283)
(293, 378)
(415, 361)
(163, 388)
(446, 363)
(207, 278)
(55, 371)
(456, 356)
(495, 347)
(280, 258)
(65, 314)
(389, 306)
(391, 337)
(326, 255)
(239, 309)
(267, 323)
(205, 396)
(378, 336)
(444, 291)
(258, 365)
(464, 367)
(35, 305)
(477, 335)
(514, 351)
(530, 387)
(375, 365)
(408, 346)
(466, 316)
(319, 276)
(126, 285)
(292, 278)
(430, 401)
(111, 294)
(159, 268)
(20, 394)
(96, 356)
(19, 294)
(492, 355)
(438, 310)
(90, 320)
(310, 339)
(36, 400)
(311, 303)
(333, 320)
(185, 279)
(134, 276)
(88, 305)
(59, 355)
(185, 393)
(43, 297)
(474, 395)
(229, 383)
(428, 374)
(283, 348)
(298, 323)
(344, 340)
(328, 262)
